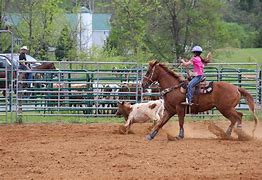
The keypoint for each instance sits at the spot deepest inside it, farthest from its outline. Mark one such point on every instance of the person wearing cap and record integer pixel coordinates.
(198, 70)
(23, 52)
(23, 65)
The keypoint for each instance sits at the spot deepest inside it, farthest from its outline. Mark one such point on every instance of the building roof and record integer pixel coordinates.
(101, 22)
(85, 10)
(72, 20)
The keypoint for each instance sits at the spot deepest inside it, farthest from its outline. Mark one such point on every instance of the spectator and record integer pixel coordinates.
(23, 65)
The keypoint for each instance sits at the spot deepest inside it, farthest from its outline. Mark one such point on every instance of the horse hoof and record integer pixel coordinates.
(149, 137)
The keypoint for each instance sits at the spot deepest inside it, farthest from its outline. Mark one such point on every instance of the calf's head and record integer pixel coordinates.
(123, 108)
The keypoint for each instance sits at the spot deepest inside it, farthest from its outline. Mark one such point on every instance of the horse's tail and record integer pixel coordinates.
(251, 105)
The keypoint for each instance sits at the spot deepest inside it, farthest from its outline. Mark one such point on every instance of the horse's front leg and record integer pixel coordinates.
(159, 125)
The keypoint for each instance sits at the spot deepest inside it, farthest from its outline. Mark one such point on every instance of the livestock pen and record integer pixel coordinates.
(89, 89)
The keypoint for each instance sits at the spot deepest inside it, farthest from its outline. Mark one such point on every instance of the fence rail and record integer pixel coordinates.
(93, 89)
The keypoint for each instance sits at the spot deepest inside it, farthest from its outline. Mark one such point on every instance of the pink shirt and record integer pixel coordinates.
(198, 66)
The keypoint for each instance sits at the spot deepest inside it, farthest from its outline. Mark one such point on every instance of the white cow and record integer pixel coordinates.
(140, 112)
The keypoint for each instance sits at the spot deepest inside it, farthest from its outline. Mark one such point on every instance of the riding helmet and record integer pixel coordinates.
(197, 49)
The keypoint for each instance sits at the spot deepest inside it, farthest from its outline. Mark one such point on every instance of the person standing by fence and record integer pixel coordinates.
(24, 65)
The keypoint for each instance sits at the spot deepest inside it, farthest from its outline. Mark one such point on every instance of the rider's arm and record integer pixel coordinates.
(186, 63)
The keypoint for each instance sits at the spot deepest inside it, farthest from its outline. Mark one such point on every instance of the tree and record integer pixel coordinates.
(40, 24)
(246, 13)
(165, 28)
(189, 23)
(5, 41)
(130, 25)
(65, 45)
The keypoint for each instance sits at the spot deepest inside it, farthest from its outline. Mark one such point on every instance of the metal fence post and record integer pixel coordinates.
(11, 77)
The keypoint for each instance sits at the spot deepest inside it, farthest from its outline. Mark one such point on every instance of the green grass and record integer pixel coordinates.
(61, 119)
(235, 55)
(86, 120)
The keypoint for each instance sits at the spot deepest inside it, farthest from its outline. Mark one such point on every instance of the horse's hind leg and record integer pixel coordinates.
(234, 117)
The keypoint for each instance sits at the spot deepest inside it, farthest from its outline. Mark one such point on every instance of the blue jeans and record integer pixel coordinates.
(29, 75)
(29, 78)
(191, 85)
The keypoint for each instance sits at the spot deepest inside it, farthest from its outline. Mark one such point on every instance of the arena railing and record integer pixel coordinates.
(90, 89)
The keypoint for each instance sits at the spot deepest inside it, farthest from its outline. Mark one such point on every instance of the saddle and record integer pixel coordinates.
(204, 87)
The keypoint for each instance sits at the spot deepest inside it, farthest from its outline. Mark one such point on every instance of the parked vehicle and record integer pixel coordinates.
(6, 60)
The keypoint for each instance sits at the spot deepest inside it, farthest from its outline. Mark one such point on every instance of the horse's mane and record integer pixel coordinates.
(174, 74)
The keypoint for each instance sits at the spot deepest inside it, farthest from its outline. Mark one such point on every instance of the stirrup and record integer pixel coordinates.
(187, 103)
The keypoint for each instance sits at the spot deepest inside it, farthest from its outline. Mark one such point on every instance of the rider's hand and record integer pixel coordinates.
(182, 61)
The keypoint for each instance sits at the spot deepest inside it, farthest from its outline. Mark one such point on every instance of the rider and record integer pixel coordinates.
(198, 66)
(23, 65)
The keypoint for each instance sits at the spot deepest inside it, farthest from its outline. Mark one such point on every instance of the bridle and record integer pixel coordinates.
(149, 77)
(164, 91)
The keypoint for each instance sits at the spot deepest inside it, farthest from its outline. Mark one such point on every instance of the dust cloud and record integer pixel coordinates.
(214, 129)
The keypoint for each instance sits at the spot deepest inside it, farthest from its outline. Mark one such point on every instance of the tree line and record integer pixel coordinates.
(163, 29)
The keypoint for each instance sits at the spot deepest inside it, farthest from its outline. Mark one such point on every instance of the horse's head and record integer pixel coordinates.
(151, 74)
(52, 66)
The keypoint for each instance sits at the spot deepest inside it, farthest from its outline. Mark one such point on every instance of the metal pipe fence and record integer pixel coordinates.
(77, 89)
(4, 88)
(7, 82)
(92, 89)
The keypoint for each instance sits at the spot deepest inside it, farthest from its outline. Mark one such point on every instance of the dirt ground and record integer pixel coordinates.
(98, 151)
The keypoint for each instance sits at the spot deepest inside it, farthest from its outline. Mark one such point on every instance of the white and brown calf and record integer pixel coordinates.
(140, 112)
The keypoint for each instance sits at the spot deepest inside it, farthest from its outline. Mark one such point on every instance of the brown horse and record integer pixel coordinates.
(22, 76)
(224, 97)
(45, 66)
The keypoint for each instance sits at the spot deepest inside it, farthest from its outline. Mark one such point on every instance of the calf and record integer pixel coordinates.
(140, 112)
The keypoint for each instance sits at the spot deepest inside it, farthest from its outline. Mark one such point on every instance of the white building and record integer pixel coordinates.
(92, 29)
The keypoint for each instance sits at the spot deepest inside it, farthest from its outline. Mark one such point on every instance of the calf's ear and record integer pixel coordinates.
(119, 102)
(152, 106)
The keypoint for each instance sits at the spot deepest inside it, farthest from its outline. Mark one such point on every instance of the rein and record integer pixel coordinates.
(167, 90)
